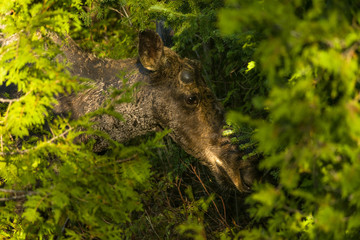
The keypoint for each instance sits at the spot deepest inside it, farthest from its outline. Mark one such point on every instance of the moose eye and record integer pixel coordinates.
(187, 76)
(192, 100)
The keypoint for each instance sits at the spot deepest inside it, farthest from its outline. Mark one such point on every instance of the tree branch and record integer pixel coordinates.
(24, 194)
(4, 100)
(34, 148)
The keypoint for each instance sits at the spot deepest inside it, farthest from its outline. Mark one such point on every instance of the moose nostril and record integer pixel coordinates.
(248, 175)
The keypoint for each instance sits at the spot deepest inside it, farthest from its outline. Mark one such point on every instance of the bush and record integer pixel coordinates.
(308, 52)
(50, 186)
(288, 68)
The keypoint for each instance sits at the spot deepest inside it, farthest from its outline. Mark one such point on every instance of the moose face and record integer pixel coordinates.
(185, 104)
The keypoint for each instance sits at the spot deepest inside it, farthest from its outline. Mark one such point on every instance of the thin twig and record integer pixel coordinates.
(122, 15)
(114, 9)
(7, 113)
(178, 187)
(63, 228)
(127, 16)
(30, 149)
(13, 198)
(11, 101)
(151, 225)
(15, 191)
(26, 193)
(224, 207)
(222, 219)
(4, 100)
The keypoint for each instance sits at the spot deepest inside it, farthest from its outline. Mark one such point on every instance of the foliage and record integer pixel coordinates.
(52, 186)
(111, 27)
(290, 68)
(308, 52)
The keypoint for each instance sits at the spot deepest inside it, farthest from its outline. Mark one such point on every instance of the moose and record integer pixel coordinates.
(170, 94)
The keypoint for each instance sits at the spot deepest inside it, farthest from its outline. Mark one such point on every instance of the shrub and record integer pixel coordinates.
(308, 53)
(50, 186)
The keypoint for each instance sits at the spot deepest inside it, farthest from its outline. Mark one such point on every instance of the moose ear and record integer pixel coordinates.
(151, 49)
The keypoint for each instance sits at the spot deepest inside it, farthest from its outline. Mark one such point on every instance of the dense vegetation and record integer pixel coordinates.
(288, 70)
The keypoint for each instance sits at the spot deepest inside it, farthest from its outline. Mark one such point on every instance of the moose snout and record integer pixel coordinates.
(249, 175)
(243, 178)
(229, 169)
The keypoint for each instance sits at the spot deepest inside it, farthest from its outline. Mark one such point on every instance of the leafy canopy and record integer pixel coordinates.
(308, 52)
(51, 186)
(290, 68)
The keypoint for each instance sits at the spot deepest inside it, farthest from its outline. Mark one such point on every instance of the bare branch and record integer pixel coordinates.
(121, 14)
(15, 191)
(34, 148)
(114, 9)
(18, 197)
(13, 198)
(4, 100)
(127, 15)
(151, 225)
(222, 218)
(63, 228)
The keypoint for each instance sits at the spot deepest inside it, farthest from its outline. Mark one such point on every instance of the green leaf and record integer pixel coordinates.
(250, 66)
(32, 215)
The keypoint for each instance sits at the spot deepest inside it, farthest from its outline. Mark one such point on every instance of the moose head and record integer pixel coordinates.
(186, 105)
(171, 95)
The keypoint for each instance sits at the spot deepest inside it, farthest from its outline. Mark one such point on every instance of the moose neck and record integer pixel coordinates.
(106, 74)
(87, 65)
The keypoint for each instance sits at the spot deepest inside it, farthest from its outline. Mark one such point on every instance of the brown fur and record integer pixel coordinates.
(163, 100)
